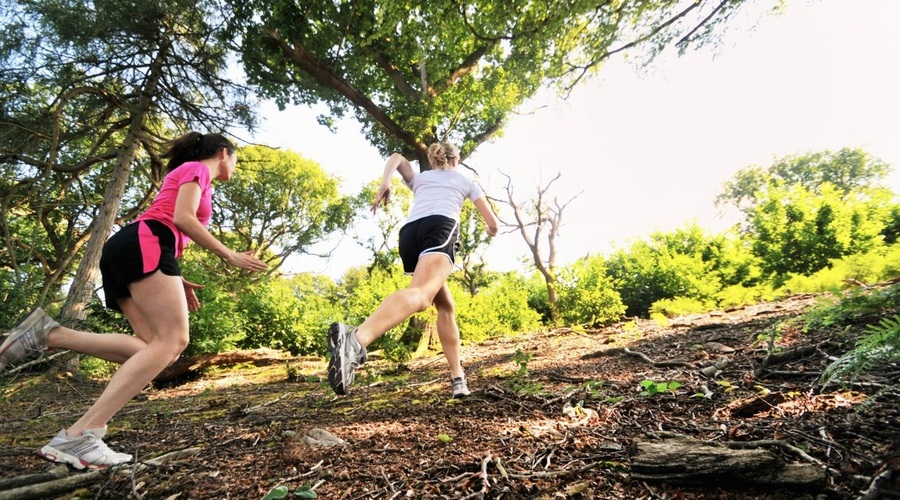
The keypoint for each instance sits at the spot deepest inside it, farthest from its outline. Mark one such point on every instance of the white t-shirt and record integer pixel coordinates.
(441, 192)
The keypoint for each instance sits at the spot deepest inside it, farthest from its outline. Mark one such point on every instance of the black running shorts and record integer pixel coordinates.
(432, 234)
(140, 248)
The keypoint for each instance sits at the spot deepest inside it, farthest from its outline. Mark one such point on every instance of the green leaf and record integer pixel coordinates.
(444, 438)
(277, 492)
(305, 492)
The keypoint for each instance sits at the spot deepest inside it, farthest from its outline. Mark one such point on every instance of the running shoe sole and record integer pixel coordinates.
(336, 337)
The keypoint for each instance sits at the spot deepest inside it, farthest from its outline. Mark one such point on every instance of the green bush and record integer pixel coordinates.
(501, 308)
(740, 295)
(586, 294)
(853, 307)
(878, 347)
(680, 306)
(538, 297)
(220, 324)
(20, 292)
(289, 314)
(661, 269)
(869, 267)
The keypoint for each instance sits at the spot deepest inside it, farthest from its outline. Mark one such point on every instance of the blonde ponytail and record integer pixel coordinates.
(440, 153)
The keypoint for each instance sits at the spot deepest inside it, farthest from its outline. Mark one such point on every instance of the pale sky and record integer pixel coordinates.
(650, 150)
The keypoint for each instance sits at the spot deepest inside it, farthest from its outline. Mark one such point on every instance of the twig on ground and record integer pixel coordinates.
(310, 472)
(134, 487)
(775, 442)
(554, 474)
(41, 359)
(646, 358)
(874, 489)
(485, 484)
(499, 464)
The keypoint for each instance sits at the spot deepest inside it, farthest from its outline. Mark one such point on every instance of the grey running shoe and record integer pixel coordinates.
(346, 356)
(85, 451)
(28, 337)
(459, 387)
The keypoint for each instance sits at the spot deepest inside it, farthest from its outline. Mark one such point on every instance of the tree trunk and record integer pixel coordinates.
(552, 298)
(427, 339)
(86, 275)
(417, 334)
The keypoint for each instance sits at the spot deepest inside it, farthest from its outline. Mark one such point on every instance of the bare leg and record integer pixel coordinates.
(448, 330)
(160, 300)
(430, 275)
(115, 347)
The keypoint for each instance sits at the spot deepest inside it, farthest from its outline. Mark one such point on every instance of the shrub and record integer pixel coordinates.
(586, 294)
(499, 309)
(868, 267)
(680, 306)
(740, 295)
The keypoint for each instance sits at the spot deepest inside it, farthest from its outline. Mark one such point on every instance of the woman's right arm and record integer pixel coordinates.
(397, 163)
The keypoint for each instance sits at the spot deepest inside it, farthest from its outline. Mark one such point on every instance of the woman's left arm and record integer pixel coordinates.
(185, 218)
(487, 213)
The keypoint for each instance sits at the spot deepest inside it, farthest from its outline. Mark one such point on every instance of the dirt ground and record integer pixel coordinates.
(552, 415)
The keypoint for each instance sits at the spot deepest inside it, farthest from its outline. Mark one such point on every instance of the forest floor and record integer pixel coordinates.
(553, 414)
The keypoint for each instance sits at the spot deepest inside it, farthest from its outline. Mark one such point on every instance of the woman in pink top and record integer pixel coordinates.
(141, 279)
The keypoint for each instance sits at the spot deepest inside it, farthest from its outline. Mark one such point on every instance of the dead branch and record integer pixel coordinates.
(714, 369)
(658, 364)
(874, 489)
(42, 359)
(485, 484)
(775, 358)
(15, 482)
(615, 351)
(758, 404)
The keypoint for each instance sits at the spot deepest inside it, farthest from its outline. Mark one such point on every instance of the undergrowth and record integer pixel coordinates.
(879, 344)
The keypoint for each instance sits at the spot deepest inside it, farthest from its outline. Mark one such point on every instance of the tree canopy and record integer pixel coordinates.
(415, 72)
(90, 89)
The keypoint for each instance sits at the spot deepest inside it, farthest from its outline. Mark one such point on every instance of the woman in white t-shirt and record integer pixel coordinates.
(428, 244)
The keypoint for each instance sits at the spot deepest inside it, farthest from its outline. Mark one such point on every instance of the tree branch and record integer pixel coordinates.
(318, 70)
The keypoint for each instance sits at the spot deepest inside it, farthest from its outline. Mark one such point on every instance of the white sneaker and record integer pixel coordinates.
(458, 387)
(28, 337)
(85, 451)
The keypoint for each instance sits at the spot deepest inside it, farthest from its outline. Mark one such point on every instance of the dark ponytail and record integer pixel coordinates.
(194, 146)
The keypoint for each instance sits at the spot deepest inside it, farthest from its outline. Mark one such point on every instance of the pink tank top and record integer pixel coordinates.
(162, 208)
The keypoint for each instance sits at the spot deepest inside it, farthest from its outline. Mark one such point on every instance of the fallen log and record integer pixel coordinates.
(186, 367)
(685, 460)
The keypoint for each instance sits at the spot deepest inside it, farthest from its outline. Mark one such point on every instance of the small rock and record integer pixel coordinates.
(321, 438)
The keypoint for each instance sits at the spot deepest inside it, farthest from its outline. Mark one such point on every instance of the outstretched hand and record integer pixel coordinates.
(246, 260)
(192, 301)
(384, 194)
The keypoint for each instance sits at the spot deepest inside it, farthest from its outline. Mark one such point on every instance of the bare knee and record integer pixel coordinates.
(445, 307)
(419, 299)
(175, 346)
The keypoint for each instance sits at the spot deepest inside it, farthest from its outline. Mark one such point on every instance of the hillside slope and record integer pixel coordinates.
(556, 414)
